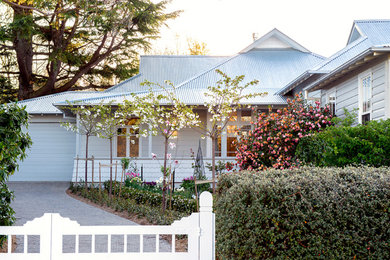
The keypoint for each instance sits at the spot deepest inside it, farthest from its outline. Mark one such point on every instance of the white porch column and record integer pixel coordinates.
(150, 147)
(78, 143)
(208, 139)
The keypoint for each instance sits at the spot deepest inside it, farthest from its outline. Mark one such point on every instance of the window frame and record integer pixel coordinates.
(239, 123)
(128, 136)
(362, 77)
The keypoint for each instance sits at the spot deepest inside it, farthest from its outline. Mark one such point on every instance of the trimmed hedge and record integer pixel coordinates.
(328, 213)
(341, 146)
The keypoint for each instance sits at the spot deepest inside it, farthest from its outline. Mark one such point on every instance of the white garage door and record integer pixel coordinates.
(50, 157)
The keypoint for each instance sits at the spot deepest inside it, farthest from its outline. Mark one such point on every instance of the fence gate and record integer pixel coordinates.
(54, 237)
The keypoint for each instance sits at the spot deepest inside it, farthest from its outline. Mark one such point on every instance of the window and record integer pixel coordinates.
(128, 140)
(238, 125)
(366, 96)
(332, 103)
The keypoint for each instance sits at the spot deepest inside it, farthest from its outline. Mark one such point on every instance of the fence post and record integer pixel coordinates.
(207, 227)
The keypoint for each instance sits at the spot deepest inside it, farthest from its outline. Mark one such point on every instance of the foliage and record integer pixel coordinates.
(340, 146)
(53, 46)
(222, 101)
(220, 167)
(276, 135)
(348, 119)
(154, 199)
(13, 147)
(154, 215)
(7, 92)
(88, 120)
(304, 213)
(125, 163)
(188, 184)
(165, 115)
(197, 48)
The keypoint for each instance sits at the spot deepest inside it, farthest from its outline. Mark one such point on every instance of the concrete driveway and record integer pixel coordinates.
(33, 199)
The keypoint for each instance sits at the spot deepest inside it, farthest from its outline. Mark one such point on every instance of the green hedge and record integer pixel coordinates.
(340, 146)
(326, 213)
(141, 196)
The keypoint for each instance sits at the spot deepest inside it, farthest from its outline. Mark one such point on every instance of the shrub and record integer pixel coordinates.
(340, 146)
(154, 215)
(273, 141)
(328, 213)
(13, 146)
(143, 196)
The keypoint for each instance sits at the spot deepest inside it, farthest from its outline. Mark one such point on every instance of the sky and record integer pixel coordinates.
(226, 26)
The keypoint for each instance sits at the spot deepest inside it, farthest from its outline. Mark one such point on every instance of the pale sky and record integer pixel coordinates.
(226, 26)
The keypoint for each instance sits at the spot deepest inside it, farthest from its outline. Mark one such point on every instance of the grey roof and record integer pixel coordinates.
(273, 69)
(365, 36)
(188, 96)
(158, 68)
(44, 104)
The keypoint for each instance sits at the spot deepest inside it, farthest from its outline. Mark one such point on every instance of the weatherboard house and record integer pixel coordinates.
(358, 76)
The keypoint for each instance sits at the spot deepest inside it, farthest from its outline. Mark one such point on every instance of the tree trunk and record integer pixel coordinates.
(86, 162)
(213, 138)
(110, 191)
(164, 173)
(22, 41)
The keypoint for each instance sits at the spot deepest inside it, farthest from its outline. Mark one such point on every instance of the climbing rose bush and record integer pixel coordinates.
(274, 139)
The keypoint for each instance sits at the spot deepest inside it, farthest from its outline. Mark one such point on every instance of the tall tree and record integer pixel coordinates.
(58, 45)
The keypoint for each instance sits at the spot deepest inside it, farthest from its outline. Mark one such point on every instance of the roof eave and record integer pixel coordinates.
(350, 65)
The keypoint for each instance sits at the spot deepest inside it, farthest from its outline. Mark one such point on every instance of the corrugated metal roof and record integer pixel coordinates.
(273, 68)
(377, 31)
(188, 96)
(44, 104)
(373, 33)
(158, 68)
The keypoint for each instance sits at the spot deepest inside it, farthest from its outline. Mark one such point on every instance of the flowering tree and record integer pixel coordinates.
(110, 119)
(222, 101)
(276, 135)
(87, 120)
(165, 115)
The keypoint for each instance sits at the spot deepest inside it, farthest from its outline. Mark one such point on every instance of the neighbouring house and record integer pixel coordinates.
(282, 66)
(356, 78)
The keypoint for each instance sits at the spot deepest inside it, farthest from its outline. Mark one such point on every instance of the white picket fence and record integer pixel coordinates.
(56, 238)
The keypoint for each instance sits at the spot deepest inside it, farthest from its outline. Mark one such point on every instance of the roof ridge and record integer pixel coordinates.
(371, 20)
(123, 82)
(206, 71)
(340, 52)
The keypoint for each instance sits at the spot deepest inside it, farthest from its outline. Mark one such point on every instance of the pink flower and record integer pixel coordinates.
(176, 162)
(154, 156)
(172, 145)
(169, 156)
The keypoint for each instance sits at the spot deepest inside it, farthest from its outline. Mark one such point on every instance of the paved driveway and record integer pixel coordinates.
(33, 199)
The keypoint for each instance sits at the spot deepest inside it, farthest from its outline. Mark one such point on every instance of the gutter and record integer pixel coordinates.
(346, 65)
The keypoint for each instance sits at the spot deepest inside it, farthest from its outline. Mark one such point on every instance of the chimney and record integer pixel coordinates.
(255, 36)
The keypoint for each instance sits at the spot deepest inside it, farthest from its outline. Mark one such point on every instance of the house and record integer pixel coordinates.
(356, 78)
(282, 66)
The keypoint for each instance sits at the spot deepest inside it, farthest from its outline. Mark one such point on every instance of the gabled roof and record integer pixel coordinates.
(275, 39)
(365, 36)
(158, 68)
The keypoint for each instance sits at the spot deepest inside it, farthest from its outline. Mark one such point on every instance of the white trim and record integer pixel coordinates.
(78, 135)
(150, 142)
(209, 144)
(361, 76)
(387, 88)
(279, 35)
